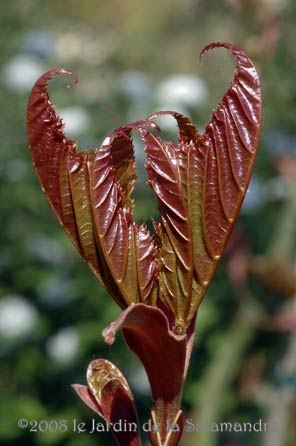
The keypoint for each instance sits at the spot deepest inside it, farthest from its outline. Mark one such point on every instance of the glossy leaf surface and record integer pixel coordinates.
(164, 356)
(199, 185)
(109, 395)
(90, 194)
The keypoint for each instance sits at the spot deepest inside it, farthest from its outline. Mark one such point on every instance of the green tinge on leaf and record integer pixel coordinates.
(109, 395)
(99, 373)
(79, 189)
(90, 192)
(199, 185)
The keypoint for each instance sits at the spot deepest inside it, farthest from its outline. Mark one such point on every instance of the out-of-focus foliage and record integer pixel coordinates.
(133, 58)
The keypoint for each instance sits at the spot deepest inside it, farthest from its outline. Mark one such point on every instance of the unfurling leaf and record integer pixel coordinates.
(109, 395)
(165, 357)
(89, 192)
(199, 185)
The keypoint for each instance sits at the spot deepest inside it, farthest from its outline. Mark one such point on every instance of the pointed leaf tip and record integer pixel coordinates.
(232, 137)
(46, 137)
(200, 186)
(90, 193)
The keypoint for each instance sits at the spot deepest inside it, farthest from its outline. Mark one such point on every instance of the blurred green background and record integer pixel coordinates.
(132, 58)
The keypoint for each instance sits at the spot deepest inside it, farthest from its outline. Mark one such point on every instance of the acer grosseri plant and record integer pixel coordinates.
(159, 279)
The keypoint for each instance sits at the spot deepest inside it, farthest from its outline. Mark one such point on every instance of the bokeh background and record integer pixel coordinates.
(132, 58)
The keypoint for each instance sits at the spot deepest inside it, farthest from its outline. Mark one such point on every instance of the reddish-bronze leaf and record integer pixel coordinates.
(164, 355)
(158, 358)
(109, 395)
(200, 186)
(121, 240)
(47, 140)
(174, 231)
(231, 139)
(90, 192)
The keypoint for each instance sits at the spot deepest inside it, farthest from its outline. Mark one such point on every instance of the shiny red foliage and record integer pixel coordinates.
(199, 185)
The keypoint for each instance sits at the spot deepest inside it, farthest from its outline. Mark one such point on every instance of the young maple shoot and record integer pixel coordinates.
(160, 279)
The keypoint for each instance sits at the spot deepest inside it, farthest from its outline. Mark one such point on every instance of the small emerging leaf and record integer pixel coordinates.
(109, 395)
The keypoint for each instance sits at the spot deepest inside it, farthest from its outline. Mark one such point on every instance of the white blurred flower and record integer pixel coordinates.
(18, 317)
(85, 46)
(39, 43)
(76, 120)
(63, 346)
(21, 72)
(46, 248)
(136, 85)
(181, 90)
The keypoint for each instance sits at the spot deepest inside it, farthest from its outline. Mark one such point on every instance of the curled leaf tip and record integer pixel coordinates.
(46, 77)
(199, 184)
(230, 46)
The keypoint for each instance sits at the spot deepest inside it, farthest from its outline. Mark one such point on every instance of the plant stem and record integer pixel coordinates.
(167, 423)
(222, 370)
